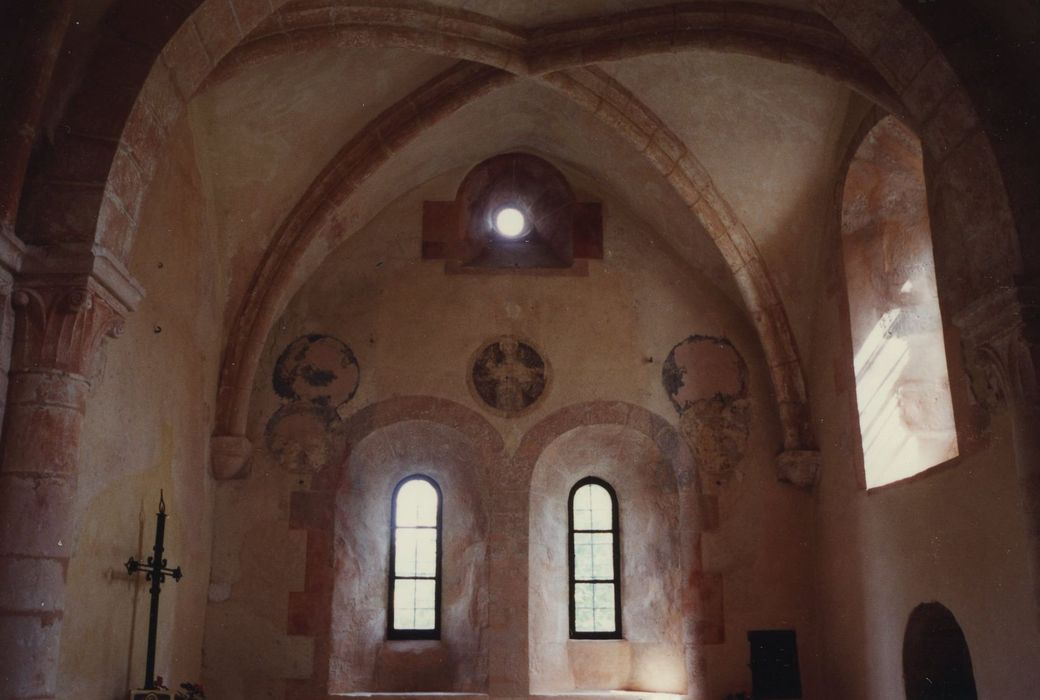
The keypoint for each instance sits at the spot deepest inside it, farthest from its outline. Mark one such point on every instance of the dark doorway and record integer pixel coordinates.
(774, 664)
(936, 661)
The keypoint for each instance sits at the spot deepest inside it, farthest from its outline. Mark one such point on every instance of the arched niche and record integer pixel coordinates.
(936, 660)
(554, 228)
(899, 357)
(362, 659)
(651, 655)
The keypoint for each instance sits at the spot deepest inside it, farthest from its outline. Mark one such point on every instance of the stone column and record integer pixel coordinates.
(1000, 333)
(59, 324)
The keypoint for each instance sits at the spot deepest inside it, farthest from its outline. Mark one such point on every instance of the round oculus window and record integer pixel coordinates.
(510, 222)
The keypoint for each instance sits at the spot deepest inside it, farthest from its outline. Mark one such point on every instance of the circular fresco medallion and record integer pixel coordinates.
(508, 375)
(317, 368)
(701, 368)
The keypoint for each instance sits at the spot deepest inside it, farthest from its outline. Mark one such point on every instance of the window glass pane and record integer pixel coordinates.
(416, 504)
(584, 610)
(602, 510)
(604, 602)
(584, 620)
(594, 607)
(605, 619)
(424, 619)
(425, 594)
(415, 603)
(592, 508)
(404, 618)
(583, 508)
(602, 556)
(582, 555)
(415, 552)
(583, 595)
(404, 604)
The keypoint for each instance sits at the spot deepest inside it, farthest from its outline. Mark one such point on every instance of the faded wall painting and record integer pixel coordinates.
(508, 375)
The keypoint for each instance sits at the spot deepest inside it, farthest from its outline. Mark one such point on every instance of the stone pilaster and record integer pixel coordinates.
(1000, 334)
(60, 321)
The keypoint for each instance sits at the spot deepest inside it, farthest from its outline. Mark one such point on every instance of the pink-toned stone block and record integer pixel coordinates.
(929, 88)
(186, 57)
(36, 516)
(29, 647)
(161, 98)
(904, 50)
(115, 226)
(250, 13)
(950, 125)
(32, 585)
(218, 28)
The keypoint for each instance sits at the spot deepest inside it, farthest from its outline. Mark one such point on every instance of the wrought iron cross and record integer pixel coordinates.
(156, 572)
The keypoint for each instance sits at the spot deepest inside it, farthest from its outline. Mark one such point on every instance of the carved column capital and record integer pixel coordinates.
(1000, 337)
(60, 322)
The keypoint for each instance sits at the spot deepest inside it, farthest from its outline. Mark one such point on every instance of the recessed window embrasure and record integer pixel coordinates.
(513, 211)
(415, 560)
(510, 222)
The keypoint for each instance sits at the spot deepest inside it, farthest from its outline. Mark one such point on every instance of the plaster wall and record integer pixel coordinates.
(266, 134)
(955, 535)
(769, 134)
(146, 428)
(413, 329)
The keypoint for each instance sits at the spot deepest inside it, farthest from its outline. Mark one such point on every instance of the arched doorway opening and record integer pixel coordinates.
(936, 661)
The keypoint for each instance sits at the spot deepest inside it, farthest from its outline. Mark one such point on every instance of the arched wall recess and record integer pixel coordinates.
(553, 230)
(647, 651)
(507, 498)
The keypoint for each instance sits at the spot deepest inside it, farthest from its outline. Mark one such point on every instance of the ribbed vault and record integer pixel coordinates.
(92, 212)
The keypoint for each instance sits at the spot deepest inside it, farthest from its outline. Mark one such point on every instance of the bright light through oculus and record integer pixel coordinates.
(510, 222)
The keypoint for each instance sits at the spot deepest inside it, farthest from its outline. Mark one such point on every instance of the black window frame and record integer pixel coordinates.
(435, 633)
(616, 531)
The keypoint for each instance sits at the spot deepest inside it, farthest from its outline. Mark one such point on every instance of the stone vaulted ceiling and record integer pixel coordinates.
(722, 125)
(764, 136)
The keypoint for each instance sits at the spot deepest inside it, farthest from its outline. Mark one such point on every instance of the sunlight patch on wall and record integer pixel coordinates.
(902, 382)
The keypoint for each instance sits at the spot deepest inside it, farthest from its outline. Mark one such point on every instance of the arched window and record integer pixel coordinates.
(415, 560)
(899, 356)
(595, 561)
